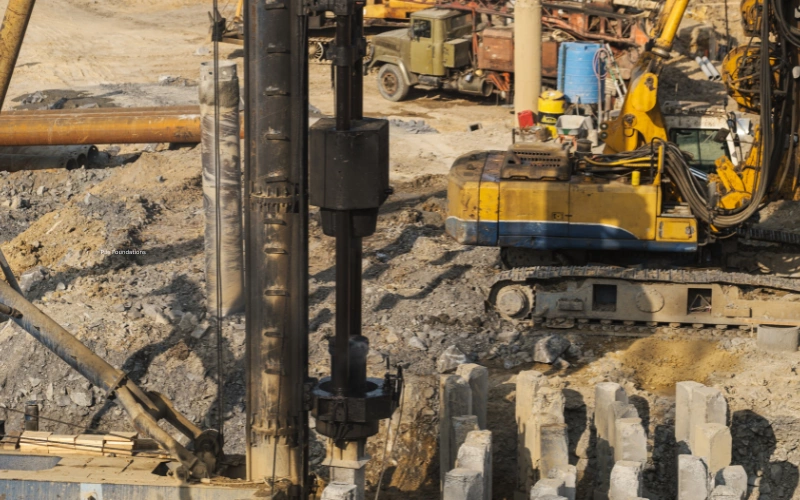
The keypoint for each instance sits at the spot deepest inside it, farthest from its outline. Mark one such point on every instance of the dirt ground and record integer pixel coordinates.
(145, 311)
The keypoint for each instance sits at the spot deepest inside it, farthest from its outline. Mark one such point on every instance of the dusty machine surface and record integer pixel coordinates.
(671, 204)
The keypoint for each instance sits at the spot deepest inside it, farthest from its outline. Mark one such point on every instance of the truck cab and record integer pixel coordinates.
(433, 51)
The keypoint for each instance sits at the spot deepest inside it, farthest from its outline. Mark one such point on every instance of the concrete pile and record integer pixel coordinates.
(472, 477)
(621, 444)
(462, 423)
(704, 441)
(542, 450)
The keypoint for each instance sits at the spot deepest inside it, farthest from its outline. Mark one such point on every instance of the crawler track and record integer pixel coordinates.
(645, 296)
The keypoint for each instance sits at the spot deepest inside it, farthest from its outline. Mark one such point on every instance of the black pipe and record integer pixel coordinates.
(358, 63)
(344, 67)
(341, 359)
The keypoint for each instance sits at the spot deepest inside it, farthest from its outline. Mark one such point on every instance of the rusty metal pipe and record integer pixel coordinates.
(15, 22)
(58, 128)
(98, 129)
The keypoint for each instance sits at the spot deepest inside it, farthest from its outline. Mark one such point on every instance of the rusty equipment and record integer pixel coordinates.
(15, 22)
(176, 124)
(98, 128)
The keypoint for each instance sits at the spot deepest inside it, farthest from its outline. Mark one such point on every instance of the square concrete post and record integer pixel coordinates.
(569, 475)
(631, 440)
(537, 405)
(683, 408)
(463, 484)
(477, 377)
(459, 429)
(626, 480)
(553, 448)
(455, 400)
(724, 493)
(693, 478)
(708, 407)
(605, 394)
(339, 491)
(545, 487)
(476, 454)
(735, 477)
(617, 411)
(348, 466)
(712, 442)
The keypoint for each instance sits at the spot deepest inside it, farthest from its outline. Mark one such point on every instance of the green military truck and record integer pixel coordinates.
(436, 51)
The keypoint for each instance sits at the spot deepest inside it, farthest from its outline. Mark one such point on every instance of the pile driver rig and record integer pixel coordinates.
(349, 156)
(638, 233)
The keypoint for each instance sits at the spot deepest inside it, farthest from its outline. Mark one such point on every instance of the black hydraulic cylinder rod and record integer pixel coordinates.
(344, 83)
(344, 290)
(358, 66)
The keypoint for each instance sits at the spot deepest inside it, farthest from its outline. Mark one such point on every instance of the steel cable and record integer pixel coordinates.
(218, 233)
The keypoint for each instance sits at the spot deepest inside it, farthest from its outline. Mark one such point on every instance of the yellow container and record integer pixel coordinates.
(552, 104)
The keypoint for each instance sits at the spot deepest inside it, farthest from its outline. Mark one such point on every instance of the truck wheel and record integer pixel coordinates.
(391, 84)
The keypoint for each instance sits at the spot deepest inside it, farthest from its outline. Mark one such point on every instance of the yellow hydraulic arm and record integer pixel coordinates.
(640, 119)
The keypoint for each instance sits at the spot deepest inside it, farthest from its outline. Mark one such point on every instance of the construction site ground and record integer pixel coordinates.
(145, 310)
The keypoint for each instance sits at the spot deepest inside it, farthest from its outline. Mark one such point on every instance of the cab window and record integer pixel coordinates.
(421, 28)
(701, 145)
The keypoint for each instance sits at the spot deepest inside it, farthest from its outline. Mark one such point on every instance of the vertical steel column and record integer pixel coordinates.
(276, 222)
(12, 32)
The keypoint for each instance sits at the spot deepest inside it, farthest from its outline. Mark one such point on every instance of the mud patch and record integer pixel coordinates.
(659, 364)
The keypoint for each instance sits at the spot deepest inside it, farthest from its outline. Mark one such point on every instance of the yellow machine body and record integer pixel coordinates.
(394, 9)
(492, 201)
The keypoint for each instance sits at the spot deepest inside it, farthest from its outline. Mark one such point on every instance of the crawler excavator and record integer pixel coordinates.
(642, 233)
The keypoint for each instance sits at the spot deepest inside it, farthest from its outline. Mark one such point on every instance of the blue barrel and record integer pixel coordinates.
(576, 72)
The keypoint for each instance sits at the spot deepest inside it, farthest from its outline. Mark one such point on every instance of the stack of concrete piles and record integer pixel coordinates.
(464, 443)
(621, 444)
(704, 442)
(543, 467)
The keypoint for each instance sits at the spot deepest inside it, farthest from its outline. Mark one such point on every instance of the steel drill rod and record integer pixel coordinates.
(344, 82)
(344, 292)
(358, 66)
(12, 32)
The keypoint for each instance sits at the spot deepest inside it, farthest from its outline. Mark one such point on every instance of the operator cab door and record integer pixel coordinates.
(422, 47)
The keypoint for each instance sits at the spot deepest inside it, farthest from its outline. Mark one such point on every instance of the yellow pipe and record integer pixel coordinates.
(666, 37)
(15, 22)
